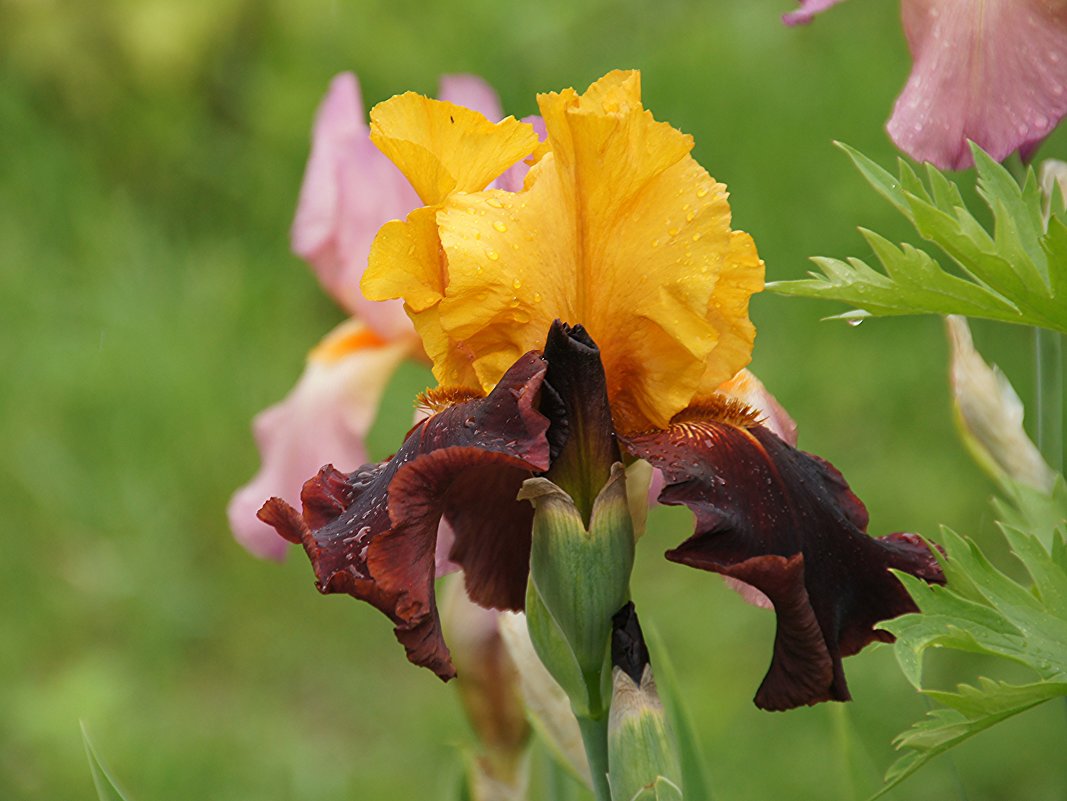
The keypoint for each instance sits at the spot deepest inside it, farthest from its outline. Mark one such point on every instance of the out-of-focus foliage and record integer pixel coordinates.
(980, 609)
(150, 307)
(1016, 274)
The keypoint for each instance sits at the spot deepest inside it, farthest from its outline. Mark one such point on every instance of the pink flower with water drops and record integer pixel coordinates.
(993, 72)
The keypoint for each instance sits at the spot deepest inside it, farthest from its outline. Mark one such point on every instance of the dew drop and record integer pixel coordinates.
(501, 227)
(496, 204)
(516, 284)
(702, 191)
(696, 237)
(492, 254)
(672, 231)
(689, 217)
(655, 243)
(537, 297)
(854, 321)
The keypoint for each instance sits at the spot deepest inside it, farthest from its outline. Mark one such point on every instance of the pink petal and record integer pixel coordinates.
(473, 93)
(511, 180)
(990, 71)
(807, 11)
(748, 389)
(350, 190)
(325, 418)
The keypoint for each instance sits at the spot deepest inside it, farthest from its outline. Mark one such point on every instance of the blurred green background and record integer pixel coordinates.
(151, 153)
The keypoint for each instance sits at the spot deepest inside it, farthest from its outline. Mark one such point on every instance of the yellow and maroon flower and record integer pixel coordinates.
(618, 248)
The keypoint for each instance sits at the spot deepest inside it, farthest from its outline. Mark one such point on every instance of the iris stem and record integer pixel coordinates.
(595, 739)
(1048, 395)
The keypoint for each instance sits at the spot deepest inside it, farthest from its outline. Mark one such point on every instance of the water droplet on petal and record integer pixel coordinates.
(696, 237)
(689, 217)
(537, 297)
(655, 243)
(496, 204)
(516, 284)
(702, 191)
(854, 321)
(501, 227)
(492, 254)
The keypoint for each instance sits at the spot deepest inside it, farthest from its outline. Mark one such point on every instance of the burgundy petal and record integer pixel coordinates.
(787, 523)
(373, 533)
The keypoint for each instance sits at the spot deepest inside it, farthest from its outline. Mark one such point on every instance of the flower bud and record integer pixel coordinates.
(547, 705)
(990, 415)
(641, 752)
(580, 576)
(489, 689)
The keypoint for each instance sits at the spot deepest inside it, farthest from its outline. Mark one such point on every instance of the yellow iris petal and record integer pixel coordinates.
(619, 229)
(406, 262)
(443, 148)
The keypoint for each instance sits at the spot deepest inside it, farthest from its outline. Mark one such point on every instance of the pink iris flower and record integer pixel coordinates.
(989, 71)
(350, 190)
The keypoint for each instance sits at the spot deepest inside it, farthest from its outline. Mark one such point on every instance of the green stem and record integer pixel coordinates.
(1048, 380)
(595, 739)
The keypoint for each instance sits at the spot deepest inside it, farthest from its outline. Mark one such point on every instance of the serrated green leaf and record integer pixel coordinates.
(1016, 274)
(970, 711)
(1029, 509)
(107, 788)
(882, 180)
(981, 609)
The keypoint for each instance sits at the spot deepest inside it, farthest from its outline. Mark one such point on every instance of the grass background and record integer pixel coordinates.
(151, 152)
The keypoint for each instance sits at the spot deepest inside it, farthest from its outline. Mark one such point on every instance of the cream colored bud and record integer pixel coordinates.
(547, 704)
(489, 688)
(990, 415)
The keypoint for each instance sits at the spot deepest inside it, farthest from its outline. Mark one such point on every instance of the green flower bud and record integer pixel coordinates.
(579, 578)
(641, 751)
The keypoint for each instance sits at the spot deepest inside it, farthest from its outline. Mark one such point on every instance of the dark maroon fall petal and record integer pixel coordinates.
(372, 533)
(787, 523)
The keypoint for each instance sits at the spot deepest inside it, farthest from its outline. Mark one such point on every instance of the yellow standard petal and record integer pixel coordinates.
(443, 148)
(618, 229)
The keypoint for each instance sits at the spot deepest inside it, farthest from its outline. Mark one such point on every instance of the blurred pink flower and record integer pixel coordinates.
(990, 71)
(349, 191)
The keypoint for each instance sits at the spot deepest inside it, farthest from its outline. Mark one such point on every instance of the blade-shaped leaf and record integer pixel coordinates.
(107, 788)
(695, 781)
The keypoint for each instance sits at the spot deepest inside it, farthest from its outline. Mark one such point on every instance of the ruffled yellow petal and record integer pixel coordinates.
(619, 229)
(742, 277)
(406, 262)
(442, 148)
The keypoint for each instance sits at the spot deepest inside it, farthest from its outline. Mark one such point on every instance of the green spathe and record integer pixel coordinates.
(579, 578)
(641, 751)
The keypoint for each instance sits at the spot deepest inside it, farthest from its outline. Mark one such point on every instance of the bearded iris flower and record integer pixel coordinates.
(604, 301)
(990, 71)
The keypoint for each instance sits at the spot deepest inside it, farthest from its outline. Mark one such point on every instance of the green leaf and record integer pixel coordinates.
(970, 710)
(1017, 273)
(107, 788)
(983, 610)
